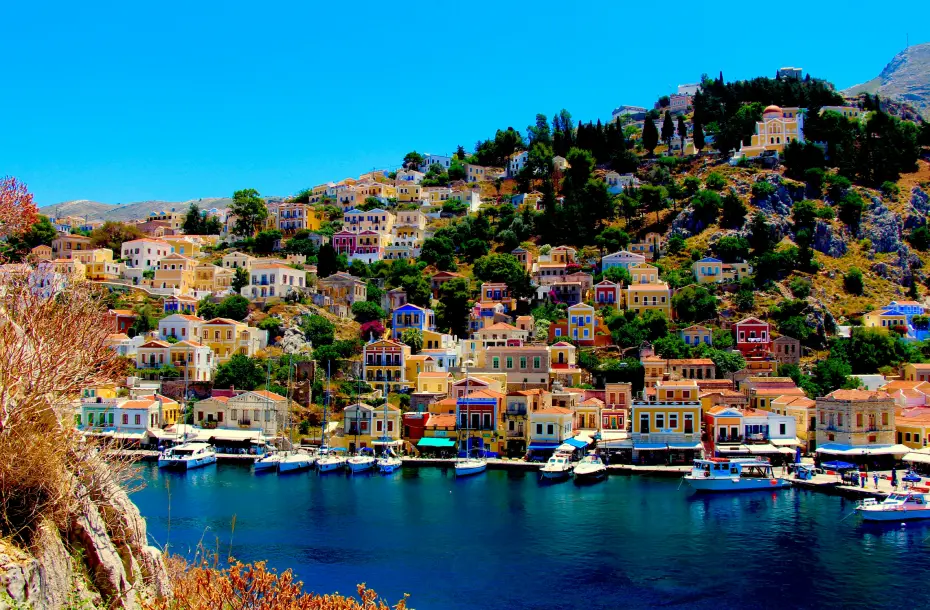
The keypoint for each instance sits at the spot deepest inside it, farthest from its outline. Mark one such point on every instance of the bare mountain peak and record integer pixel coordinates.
(906, 79)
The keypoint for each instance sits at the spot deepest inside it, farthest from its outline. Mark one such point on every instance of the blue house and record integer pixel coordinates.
(411, 316)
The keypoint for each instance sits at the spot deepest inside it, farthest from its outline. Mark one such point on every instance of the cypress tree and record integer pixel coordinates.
(650, 136)
(697, 132)
(668, 129)
(682, 132)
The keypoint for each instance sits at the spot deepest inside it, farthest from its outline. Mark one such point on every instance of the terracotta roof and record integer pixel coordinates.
(137, 404)
(484, 394)
(555, 411)
(432, 374)
(222, 321)
(268, 395)
(122, 312)
(441, 421)
(220, 398)
(499, 326)
(596, 402)
(189, 342)
(155, 343)
(691, 361)
(778, 391)
(858, 395)
(117, 337)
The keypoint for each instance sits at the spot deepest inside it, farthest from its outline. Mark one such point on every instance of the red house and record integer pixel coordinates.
(752, 337)
(120, 320)
(414, 425)
(607, 293)
(344, 242)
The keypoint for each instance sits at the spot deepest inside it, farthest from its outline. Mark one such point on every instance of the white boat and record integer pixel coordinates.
(558, 467)
(295, 462)
(591, 468)
(331, 462)
(733, 474)
(267, 463)
(187, 456)
(469, 466)
(899, 506)
(389, 462)
(364, 460)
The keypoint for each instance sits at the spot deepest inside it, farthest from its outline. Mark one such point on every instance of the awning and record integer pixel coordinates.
(620, 443)
(838, 449)
(577, 443)
(614, 435)
(918, 457)
(650, 446)
(219, 434)
(431, 441)
(732, 449)
(786, 442)
(543, 446)
(686, 446)
(762, 449)
(129, 436)
(390, 443)
(566, 448)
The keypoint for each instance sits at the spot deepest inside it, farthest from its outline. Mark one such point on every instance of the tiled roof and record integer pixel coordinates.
(555, 411)
(441, 421)
(268, 395)
(858, 395)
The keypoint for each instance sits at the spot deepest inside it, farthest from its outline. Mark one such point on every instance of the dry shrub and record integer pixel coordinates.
(50, 348)
(253, 586)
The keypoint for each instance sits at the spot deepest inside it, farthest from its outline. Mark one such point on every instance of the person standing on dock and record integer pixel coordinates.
(875, 478)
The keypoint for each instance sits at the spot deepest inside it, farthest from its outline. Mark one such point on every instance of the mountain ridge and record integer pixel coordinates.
(906, 78)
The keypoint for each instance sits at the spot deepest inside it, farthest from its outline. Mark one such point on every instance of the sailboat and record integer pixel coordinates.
(293, 461)
(364, 459)
(329, 460)
(468, 465)
(267, 462)
(388, 462)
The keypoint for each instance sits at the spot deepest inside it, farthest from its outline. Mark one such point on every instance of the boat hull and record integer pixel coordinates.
(294, 465)
(594, 474)
(892, 515)
(356, 467)
(734, 484)
(191, 464)
(555, 475)
(389, 466)
(265, 466)
(467, 471)
(330, 466)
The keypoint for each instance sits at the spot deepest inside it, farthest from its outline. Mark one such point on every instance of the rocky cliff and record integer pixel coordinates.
(906, 78)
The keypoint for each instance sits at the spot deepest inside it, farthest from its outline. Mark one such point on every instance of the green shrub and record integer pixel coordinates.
(763, 189)
(800, 287)
(853, 282)
(715, 181)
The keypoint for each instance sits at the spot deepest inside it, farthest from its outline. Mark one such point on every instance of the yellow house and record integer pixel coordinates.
(434, 382)
(184, 245)
(99, 264)
(708, 270)
(643, 273)
(175, 271)
(41, 253)
(384, 361)
(407, 192)
(416, 364)
(226, 338)
(778, 127)
(65, 246)
(679, 390)
(71, 268)
(917, 372)
(641, 297)
(212, 278)
(670, 422)
(581, 322)
(884, 319)
(913, 428)
(363, 425)
(803, 410)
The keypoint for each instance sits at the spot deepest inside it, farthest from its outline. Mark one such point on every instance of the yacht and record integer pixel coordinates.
(899, 506)
(469, 466)
(389, 462)
(733, 474)
(364, 460)
(558, 467)
(295, 462)
(330, 461)
(187, 456)
(591, 468)
(267, 463)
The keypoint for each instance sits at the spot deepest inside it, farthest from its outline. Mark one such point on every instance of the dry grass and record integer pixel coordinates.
(205, 586)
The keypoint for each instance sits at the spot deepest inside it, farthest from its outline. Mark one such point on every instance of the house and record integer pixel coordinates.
(803, 410)
(212, 278)
(666, 431)
(475, 173)
(176, 272)
(234, 260)
(912, 428)
(642, 297)
(294, 217)
(363, 425)
(516, 163)
(195, 360)
(581, 326)
(644, 274)
(268, 280)
(561, 291)
(128, 419)
(145, 253)
(761, 391)
(549, 428)
(708, 270)
(917, 372)
(410, 316)
(519, 405)
(691, 368)
(66, 245)
(608, 294)
(119, 320)
(886, 319)
(430, 160)
(438, 279)
(41, 252)
(434, 382)
(650, 246)
(501, 335)
(255, 410)
(908, 394)
(479, 415)
(752, 337)
(179, 304)
(858, 422)
(416, 364)
(342, 287)
(616, 182)
(531, 200)
(180, 327)
(696, 335)
(384, 362)
(562, 364)
(778, 127)
(409, 175)
(471, 198)
(228, 337)
(524, 256)
(526, 366)
(496, 292)
(734, 272)
(376, 220)
(786, 350)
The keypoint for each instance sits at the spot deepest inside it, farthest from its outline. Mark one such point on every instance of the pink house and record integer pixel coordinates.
(344, 242)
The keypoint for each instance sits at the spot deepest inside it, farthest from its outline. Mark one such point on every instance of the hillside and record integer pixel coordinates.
(906, 78)
(94, 210)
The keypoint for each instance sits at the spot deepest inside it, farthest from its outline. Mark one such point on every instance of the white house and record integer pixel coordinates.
(623, 258)
(429, 160)
(145, 253)
(517, 163)
(274, 280)
(617, 182)
(180, 326)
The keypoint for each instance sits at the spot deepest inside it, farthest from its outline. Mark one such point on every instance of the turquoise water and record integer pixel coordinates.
(503, 540)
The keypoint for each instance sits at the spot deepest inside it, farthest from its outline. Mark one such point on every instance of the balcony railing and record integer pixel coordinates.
(730, 439)
(519, 410)
(515, 434)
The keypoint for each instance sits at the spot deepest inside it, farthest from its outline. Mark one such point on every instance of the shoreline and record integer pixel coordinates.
(821, 483)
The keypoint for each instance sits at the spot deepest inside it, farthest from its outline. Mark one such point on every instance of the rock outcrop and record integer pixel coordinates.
(883, 227)
(827, 241)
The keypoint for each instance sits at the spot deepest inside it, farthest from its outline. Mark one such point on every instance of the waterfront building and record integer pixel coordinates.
(857, 423)
(666, 431)
(804, 412)
(384, 361)
(761, 391)
(912, 427)
(479, 415)
(549, 428)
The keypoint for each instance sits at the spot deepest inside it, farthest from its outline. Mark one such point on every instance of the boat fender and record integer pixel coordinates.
(706, 475)
(773, 482)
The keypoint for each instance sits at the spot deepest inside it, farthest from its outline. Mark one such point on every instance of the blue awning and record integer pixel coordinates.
(694, 446)
(541, 446)
(429, 441)
(834, 448)
(576, 443)
(649, 446)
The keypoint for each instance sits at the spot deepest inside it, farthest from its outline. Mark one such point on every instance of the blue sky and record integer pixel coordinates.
(126, 101)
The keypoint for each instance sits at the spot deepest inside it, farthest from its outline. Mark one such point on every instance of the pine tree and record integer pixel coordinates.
(682, 132)
(697, 133)
(668, 129)
(650, 136)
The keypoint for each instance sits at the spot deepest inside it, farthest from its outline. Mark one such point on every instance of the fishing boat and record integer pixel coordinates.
(591, 468)
(267, 463)
(558, 467)
(733, 474)
(389, 462)
(187, 456)
(362, 461)
(295, 462)
(906, 505)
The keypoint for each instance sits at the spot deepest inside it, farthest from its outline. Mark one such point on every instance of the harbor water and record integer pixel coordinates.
(503, 540)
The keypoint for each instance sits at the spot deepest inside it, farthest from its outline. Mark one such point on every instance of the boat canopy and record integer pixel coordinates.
(576, 443)
(219, 434)
(691, 446)
(387, 443)
(430, 441)
(838, 465)
(763, 449)
(785, 442)
(566, 448)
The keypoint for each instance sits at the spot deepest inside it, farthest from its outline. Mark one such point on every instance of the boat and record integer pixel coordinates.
(267, 463)
(362, 461)
(388, 462)
(557, 468)
(733, 474)
(295, 462)
(330, 461)
(469, 466)
(906, 505)
(591, 468)
(187, 456)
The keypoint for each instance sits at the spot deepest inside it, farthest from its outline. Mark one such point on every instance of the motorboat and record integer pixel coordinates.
(295, 462)
(558, 467)
(733, 474)
(591, 468)
(469, 466)
(267, 463)
(187, 456)
(389, 462)
(364, 460)
(899, 506)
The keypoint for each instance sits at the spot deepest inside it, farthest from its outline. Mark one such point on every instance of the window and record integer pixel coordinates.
(644, 423)
(858, 419)
(522, 362)
(539, 428)
(125, 419)
(536, 362)
(549, 429)
(138, 419)
(509, 362)
(884, 419)
(689, 423)
(839, 419)
(380, 425)
(673, 421)
(660, 421)
(495, 363)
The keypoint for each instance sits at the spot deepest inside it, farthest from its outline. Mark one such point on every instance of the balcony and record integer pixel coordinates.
(516, 410)
(729, 439)
(245, 423)
(515, 434)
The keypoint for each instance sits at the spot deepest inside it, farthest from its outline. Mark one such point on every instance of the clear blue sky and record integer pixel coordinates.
(126, 101)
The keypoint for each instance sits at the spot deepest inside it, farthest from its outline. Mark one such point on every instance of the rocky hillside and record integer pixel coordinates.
(94, 210)
(906, 78)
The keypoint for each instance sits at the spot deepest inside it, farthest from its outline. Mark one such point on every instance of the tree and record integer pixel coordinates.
(831, 374)
(365, 311)
(234, 307)
(414, 338)
(851, 207)
(18, 211)
(618, 275)
(250, 212)
(715, 181)
(761, 239)
(241, 371)
(42, 232)
(144, 321)
(371, 330)
(732, 249)
(920, 238)
(507, 269)
(111, 234)
(413, 160)
(676, 243)
(456, 171)
(671, 346)
(612, 239)
(698, 135)
(417, 289)
(706, 206)
(733, 211)
(653, 198)
(852, 281)
(745, 300)
(206, 308)
(694, 304)
(800, 287)
(682, 132)
(454, 307)
(265, 241)
(650, 137)
(192, 220)
(327, 263)
(318, 330)
(668, 129)
(240, 279)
